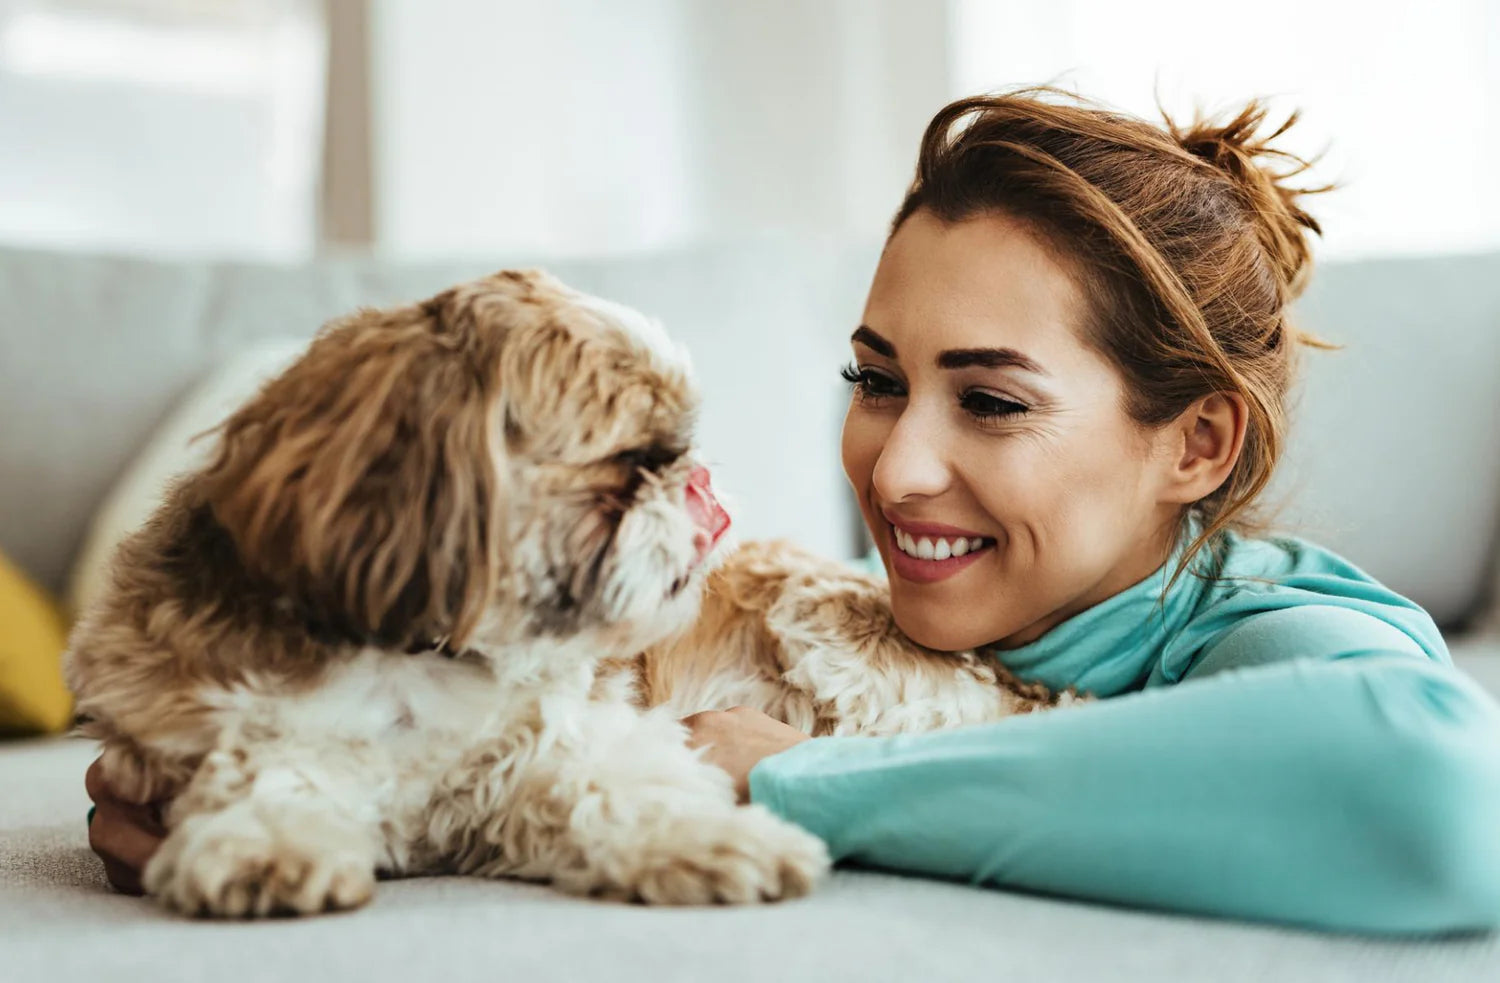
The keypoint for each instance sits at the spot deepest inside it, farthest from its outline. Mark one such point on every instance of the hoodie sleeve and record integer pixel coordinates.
(1310, 768)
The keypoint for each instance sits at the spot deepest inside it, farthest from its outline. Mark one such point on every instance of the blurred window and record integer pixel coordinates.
(1405, 97)
(172, 126)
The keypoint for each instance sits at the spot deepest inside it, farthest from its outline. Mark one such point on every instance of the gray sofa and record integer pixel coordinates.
(1393, 464)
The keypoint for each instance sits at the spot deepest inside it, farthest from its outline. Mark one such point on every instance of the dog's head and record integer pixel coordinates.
(508, 460)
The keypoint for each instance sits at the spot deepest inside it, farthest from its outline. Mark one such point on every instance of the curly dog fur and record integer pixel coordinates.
(437, 605)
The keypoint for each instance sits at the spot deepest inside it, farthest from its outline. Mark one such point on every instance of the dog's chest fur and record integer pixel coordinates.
(373, 696)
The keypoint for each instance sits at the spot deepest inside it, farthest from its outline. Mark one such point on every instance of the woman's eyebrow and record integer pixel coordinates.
(987, 358)
(866, 336)
(954, 358)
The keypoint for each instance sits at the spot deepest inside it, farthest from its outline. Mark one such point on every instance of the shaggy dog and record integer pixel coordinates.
(436, 606)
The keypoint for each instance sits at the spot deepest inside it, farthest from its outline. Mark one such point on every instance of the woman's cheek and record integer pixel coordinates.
(1013, 480)
(860, 447)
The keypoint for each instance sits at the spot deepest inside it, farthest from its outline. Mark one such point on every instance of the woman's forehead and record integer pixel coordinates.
(980, 283)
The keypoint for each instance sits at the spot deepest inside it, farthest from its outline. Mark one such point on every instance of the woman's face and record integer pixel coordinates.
(999, 474)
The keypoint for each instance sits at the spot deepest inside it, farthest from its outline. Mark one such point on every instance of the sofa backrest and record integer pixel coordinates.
(97, 350)
(1393, 459)
(1395, 453)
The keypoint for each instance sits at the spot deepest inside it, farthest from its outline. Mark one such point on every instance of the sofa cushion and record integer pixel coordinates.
(181, 442)
(33, 698)
(62, 923)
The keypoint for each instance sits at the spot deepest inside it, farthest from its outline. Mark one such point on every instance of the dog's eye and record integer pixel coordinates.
(652, 458)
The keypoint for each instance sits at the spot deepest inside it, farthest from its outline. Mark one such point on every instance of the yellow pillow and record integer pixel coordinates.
(33, 634)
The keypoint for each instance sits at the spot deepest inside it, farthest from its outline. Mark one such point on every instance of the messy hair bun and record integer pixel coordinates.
(1192, 241)
(1262, 173)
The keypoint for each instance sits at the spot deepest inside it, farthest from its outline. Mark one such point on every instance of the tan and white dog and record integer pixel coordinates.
(436, 606)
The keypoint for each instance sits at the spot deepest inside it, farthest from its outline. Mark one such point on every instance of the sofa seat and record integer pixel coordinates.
(61, 922)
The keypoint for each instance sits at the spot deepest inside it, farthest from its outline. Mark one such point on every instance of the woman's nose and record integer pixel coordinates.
(912, 463)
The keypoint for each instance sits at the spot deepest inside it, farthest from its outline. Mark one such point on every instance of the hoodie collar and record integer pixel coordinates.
(1112, 647)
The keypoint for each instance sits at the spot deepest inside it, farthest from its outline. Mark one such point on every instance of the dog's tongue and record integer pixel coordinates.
(707, 514)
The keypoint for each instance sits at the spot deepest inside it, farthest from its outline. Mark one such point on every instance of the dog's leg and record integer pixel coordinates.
(266, 828)
(612, 803)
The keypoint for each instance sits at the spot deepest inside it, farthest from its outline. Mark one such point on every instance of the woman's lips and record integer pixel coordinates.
(928, 528)
(942, 551)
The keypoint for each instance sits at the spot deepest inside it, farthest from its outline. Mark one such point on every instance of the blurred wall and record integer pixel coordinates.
(574, 127)
(1401, 100)
(585, 127)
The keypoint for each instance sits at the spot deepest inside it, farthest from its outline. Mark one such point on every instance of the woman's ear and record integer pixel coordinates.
(362, 481)
(1202, 446)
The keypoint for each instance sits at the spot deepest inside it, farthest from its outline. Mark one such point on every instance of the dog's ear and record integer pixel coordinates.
(363, 481)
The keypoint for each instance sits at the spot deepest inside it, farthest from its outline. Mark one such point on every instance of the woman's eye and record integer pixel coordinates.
(987, 406)
(870, 383)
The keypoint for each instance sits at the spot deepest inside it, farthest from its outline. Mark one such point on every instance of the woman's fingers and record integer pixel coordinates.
(93, 781)
(148, 816)
(122, 878)
(125, 840)
(123, 834)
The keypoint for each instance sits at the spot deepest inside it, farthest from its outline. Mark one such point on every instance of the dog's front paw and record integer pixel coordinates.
(231, 865)
(738, 856)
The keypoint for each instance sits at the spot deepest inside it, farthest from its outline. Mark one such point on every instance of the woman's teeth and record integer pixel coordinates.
(928, 548)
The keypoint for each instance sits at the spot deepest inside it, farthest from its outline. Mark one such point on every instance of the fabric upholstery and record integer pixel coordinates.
(33, 698)
(61, 923)
(182, 441)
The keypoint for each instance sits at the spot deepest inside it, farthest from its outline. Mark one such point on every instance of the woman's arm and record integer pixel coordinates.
(1361, 793)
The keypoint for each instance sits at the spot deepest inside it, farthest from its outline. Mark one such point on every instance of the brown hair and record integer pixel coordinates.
(1189, 236)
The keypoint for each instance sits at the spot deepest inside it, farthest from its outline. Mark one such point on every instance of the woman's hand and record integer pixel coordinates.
(738, 739)
(123, 834)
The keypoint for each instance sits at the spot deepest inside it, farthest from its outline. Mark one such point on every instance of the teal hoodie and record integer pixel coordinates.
(1286, 741)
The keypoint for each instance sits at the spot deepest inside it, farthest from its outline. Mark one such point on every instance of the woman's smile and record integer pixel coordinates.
(927, 552)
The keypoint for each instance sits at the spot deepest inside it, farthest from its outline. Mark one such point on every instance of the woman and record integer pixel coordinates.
(1069, 389)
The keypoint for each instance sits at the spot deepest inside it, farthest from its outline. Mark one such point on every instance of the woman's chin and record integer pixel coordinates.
(936, 629)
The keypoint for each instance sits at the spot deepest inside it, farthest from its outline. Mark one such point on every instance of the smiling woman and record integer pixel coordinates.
(931, 387)
(1068, 392)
